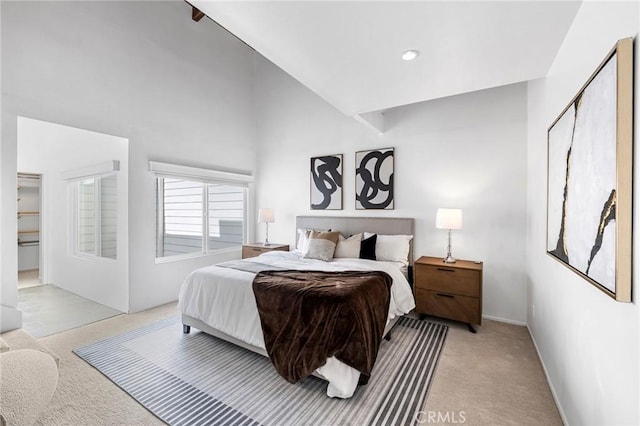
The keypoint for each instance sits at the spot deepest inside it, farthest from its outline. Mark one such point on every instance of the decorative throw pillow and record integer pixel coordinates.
(393, 248)
(368, 248)
(302, 245)
(348, 247)
(322, 245)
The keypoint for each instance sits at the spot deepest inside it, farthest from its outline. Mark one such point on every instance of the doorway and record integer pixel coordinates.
(28, 214)
(72, 226)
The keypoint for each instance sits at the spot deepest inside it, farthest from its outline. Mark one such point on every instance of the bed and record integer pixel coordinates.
(220, 301)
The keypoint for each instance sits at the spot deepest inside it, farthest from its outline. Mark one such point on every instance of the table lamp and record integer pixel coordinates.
(266, 216)
(449, 219)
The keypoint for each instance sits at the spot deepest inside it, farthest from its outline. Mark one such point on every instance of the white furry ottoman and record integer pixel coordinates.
(28, 379)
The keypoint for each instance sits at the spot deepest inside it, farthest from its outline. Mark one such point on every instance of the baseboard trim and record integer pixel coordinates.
(508, 321)
(546, 374)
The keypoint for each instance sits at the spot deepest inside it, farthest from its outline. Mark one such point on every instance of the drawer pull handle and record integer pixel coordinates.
(445, 295)
(446, 270)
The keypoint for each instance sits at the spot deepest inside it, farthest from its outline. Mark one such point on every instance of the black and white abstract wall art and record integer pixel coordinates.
(374, 179)
(589, 191)
(326, 182)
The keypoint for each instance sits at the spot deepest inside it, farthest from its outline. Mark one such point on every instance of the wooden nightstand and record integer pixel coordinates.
(256, 249)
(449, 290)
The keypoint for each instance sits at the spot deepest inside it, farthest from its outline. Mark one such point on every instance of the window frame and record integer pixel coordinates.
(97, 205)
(206, 177)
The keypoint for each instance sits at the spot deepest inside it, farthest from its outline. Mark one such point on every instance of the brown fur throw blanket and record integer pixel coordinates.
(309, 316)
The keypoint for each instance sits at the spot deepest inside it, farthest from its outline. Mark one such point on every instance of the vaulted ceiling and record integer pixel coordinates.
(349, 52)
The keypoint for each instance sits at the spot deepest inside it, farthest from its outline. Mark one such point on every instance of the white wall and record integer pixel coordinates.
(467, 151)
(588, 343)
(2, 214)
(178, 90)
(51, 149)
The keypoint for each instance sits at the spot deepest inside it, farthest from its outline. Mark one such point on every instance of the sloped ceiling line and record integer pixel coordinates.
(349, 52)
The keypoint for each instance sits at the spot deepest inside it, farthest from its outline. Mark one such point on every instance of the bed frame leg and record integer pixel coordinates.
(186, 329)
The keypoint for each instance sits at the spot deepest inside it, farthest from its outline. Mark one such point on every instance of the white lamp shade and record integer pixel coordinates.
(449, 219)
(266, 216)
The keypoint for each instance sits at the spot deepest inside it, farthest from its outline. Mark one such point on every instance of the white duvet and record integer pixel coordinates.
(223, 299)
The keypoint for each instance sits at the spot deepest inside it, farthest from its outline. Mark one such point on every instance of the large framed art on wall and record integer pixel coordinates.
(326, 182)
(589, 180)
(374, 179)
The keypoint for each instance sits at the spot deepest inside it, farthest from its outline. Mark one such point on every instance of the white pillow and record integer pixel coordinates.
(393, 248)
(303, 240)
(348, 247)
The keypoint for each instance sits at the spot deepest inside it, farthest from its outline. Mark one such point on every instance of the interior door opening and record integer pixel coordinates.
(72, 238)
(28, 216)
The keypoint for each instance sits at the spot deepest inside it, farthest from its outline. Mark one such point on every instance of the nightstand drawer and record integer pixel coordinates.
(448, 280)
(445, 305)
(253, 250)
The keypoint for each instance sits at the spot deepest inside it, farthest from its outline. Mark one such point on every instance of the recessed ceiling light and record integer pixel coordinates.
(410, 55)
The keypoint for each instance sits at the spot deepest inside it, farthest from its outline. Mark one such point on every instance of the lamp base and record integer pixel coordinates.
(266, 236)
(449, 258)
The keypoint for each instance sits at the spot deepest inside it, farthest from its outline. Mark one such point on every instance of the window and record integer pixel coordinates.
(181, 227)
(200, 215)
(96, 216)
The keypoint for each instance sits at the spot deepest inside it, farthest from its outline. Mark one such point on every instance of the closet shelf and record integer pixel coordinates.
(28, 176)
(28, 243)
(28, 189)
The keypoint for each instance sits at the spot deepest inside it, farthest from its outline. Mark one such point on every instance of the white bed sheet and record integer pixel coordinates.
(223, 299)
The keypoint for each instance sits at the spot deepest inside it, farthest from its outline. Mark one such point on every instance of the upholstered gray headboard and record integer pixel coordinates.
(354, 225)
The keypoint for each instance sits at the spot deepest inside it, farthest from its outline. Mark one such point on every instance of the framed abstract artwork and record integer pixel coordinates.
(589, 180)
(326, 182)
(374, 179)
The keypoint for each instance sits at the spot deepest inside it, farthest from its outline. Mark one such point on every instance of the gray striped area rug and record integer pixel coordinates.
(197, 379)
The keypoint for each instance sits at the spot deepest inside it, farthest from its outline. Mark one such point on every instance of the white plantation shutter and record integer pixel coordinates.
(95, 209)
(183, 203)
(86, 226)
(109, 216)
(226, 212)
(96, 216)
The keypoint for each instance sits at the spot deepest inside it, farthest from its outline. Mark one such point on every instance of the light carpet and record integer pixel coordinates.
(199, 379)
